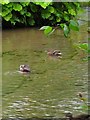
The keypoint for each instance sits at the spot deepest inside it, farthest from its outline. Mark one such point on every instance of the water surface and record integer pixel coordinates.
(51, 88)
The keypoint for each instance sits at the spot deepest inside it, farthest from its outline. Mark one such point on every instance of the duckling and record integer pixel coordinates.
(57, 52)
(54, 53)
(69, 116)
(24, 69)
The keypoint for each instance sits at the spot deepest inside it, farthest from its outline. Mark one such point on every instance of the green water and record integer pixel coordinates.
(51, 88)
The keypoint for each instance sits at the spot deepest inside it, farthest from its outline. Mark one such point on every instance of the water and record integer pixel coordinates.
(51, 88)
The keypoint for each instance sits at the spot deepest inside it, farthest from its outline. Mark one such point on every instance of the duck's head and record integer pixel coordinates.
(24, 68)
(54, 53)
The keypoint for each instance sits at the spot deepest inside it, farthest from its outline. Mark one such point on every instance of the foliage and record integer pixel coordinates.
(83, 46)
(85, 4)
(47, 29)
(84, 106)
(48, 14)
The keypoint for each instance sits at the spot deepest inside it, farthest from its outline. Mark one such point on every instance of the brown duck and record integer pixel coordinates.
(69, 116)
(24, 68)
(54, 53)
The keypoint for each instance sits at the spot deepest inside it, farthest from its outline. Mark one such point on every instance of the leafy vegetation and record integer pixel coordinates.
(83, 46)
(54, 14)
(85, 107)
(85, 4)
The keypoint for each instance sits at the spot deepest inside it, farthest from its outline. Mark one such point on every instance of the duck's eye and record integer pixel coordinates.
(22, 66)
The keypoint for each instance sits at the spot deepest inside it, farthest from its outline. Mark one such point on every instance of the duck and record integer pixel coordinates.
(24, 68)
(54, 53)
(69, 116)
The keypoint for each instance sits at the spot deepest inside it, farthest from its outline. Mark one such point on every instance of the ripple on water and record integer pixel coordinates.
(77, 108)
(48, 69)
(18, 105)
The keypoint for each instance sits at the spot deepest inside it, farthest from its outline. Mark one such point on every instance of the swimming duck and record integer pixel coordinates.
(24, 68)
(54, 53)
(69, 116)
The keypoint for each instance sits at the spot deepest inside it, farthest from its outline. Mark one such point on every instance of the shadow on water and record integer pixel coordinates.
(52, 87)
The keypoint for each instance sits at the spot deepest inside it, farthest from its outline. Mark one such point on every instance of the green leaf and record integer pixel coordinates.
(51, 31)
(4, 2)
(50, 9)
(66, 17)
(58, 19)
(44, 27)
(58, 14)
(74, 25)
(43, 4)
(51, 17)
(17, 7)
(8, 17)
(23, 11)
(24, 3)
(33, 8)
(62, 25)
(84, 46)
(9, 4)
(28, 14)
(45, 14)
(48, 30)
(66, 30)
(16, 19)
(31, 21)
(6, 11)
(72, 12)
(13, 21)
